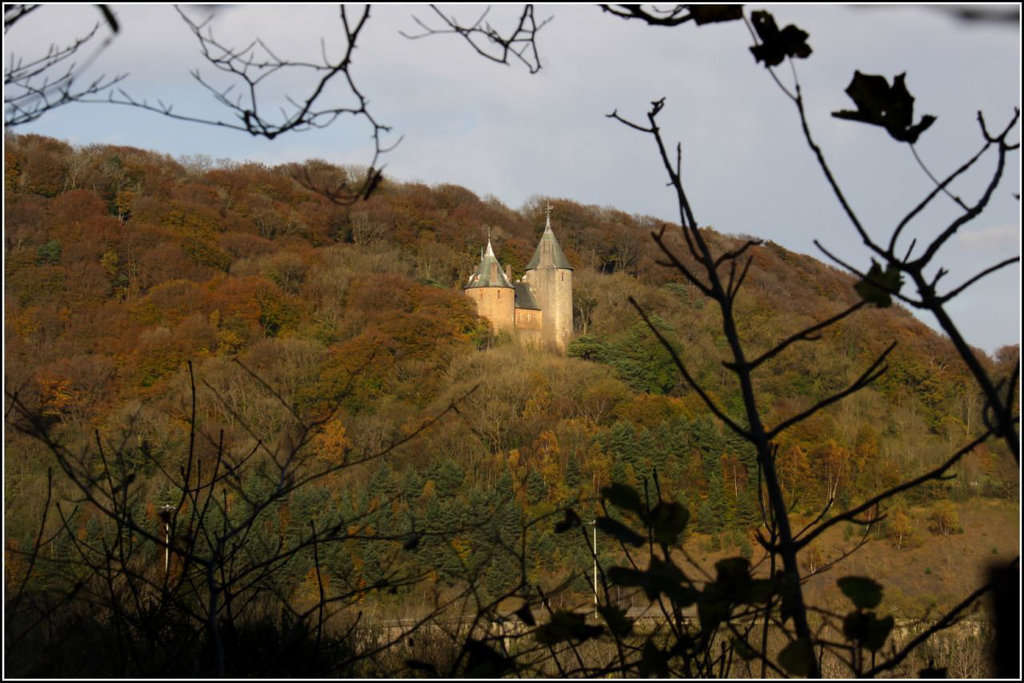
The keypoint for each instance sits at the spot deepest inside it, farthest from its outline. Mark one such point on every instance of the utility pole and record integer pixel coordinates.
(593, 523)
(166, 512)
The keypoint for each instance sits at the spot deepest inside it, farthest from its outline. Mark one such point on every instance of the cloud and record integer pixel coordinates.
(996, 239)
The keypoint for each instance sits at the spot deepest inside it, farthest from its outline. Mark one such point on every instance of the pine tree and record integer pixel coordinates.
(573, 475)
(536, 489)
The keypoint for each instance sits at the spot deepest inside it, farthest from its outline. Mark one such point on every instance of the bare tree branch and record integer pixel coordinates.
(36, 86)
(516, 44)
(935, 473)
(41, 84)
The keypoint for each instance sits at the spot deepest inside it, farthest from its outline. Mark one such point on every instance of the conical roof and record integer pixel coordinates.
(488, 273)
(549, 253)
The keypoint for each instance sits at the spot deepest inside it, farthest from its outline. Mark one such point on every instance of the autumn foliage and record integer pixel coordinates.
(122, 265)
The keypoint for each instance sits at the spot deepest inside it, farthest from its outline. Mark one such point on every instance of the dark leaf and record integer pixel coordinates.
(620, 531)
(633, 578)
(879, 633)
(868, 631)
(710, 14)
(734, 580)
(855, 626)
(760, 591)
(662, 578)
(877, 287)
(426, 667)
(713, 607)
(863, 592)
(570, 521)
(668, 579)
(615, 617)
(797, 658)
(484, 662)
(526, 616)
(653, 662)
(881, 105)
(668, 520)
(733, 572)
(566, 626)
(624, 497)
(776, 45)
(627, 576)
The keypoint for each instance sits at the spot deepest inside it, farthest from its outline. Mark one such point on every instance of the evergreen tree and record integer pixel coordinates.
(448, 477)
(642, 362)
(714, 513)
(536, 488)
(573, 475)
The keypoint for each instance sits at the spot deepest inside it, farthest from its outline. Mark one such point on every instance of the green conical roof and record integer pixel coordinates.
(549, 253)
(488, 273)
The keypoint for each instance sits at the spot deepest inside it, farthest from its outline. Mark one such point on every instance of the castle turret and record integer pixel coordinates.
(549, 276)
(494, 295)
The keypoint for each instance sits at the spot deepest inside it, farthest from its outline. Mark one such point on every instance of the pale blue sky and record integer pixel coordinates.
(500, 131)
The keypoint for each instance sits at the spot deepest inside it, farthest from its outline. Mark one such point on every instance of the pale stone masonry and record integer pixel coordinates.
(537, 309)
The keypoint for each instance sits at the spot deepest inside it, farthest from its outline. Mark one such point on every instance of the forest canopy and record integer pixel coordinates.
(127, 272)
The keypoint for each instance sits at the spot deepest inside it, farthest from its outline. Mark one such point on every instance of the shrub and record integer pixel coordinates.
(944, 519)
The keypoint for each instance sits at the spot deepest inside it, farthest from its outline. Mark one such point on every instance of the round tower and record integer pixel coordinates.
(494, 295)
(549, 276)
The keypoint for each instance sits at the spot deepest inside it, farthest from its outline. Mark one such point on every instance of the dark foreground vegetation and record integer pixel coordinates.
(342, 445)
(252, 430)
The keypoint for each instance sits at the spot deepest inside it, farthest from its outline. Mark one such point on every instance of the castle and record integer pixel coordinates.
(537, 309)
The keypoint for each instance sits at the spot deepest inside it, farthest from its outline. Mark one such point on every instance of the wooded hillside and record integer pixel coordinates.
(331, 333)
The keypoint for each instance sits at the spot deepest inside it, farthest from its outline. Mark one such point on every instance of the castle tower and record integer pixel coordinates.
(494, 295)
(549, 277)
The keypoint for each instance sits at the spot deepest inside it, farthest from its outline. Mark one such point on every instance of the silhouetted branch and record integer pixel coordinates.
(949, 619)
(251, 65)
(953, 293)
(876, 370)
(807, 334)
(940, 187)
(1003, 149)
(687, 377)
(519, 43)
(867, 524)
(930, 300)
(34, 87)
(935, 473)
(736, 253)
(14, 13)
(826, 170)
(674, 262)
(755, 432)
(653, 15)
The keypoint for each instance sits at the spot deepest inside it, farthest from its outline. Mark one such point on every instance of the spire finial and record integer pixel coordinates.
(548, 212)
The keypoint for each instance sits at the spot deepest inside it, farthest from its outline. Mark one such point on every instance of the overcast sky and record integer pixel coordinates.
(501, 131)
